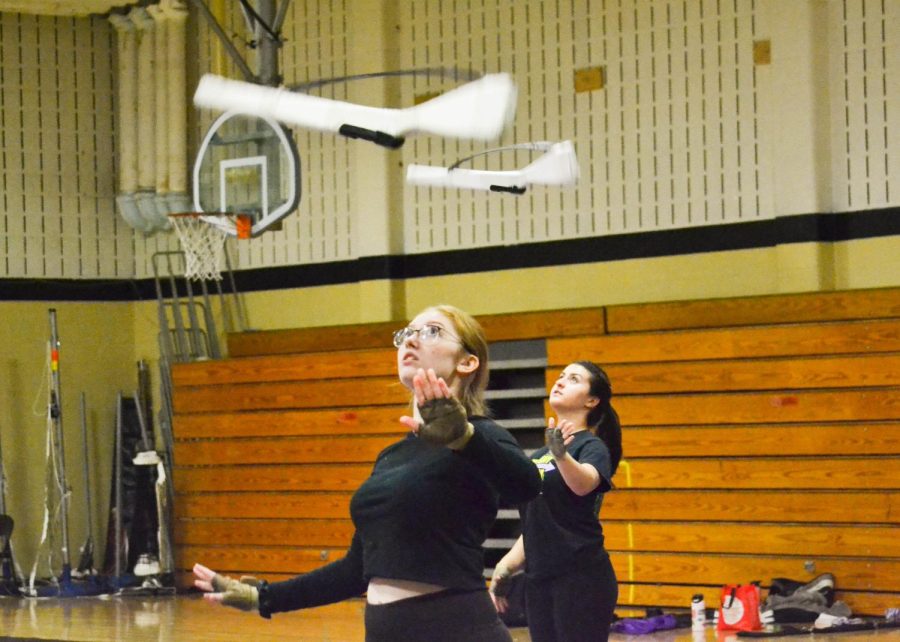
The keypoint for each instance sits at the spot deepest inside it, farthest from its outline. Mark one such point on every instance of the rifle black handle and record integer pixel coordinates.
(377, 137)
(512, 189)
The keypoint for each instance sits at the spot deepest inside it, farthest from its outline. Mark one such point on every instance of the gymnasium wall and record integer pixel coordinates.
(860, 264)
(693, 130)
(710, 113)
(706, 172)
(57, 160)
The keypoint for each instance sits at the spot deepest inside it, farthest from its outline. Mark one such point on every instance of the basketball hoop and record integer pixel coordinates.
(246, 164)
(202, 236)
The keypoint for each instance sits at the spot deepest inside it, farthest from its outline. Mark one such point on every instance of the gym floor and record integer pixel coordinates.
(187, 617)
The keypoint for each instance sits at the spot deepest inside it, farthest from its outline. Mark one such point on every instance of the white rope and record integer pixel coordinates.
(203, 245)
(52, 479)
(37, 408)
(45, 531)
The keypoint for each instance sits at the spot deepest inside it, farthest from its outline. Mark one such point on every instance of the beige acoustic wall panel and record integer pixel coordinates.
(316, 42)
(864, 66)
(669, 140)
(57, 147)
(70, 8)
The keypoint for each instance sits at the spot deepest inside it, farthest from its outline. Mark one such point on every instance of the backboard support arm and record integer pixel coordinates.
(268, 48)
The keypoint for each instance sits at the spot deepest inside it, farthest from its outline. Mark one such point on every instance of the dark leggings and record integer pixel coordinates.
(448, 616)
(577, 606)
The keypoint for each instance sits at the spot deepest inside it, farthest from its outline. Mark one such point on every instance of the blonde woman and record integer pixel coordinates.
(423, 514)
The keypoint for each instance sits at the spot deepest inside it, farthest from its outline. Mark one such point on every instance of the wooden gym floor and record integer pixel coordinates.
(186, 617)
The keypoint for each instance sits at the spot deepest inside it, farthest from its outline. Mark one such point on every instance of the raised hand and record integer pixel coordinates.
(559, 437)
(444, 421)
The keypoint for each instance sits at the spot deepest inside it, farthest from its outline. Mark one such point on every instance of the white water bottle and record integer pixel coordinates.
(698, 612)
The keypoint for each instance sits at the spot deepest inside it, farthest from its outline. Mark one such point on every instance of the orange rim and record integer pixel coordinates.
(243, 224)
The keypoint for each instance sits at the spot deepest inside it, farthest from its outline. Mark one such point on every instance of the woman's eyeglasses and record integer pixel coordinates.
(426, 334)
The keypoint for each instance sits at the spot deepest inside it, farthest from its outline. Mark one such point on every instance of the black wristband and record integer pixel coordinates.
(265, 599)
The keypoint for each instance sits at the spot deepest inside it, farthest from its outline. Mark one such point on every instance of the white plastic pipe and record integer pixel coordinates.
(146, 194)
(557, 166)
(145, 100)
(161, 106)
(126, 45)
(177, 14)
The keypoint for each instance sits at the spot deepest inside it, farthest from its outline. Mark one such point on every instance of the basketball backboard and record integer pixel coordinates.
(246, 165)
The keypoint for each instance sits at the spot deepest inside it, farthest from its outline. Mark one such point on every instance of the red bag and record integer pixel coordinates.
(740, 608)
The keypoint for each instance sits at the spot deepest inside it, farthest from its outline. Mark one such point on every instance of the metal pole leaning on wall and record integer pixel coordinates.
(55, 411)
(86, 560)
(9, 576)
(117, 557)
(65, 587)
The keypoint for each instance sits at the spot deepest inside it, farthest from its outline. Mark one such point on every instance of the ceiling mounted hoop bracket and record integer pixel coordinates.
(270, 20)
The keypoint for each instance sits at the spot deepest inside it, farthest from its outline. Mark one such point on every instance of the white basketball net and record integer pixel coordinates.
(203, 245)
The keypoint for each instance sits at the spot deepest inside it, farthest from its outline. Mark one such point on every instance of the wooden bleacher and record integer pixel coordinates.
(761, 436)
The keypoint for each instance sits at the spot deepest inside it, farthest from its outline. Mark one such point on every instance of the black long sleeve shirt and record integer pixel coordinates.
(422, 515)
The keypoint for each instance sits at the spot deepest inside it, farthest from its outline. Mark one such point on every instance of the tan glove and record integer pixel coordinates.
(445, 423)
(243, 594)
(500, 581)
(555, 442)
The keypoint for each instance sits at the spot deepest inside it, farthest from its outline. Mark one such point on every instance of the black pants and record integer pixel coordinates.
(577, 606)
(448, 616)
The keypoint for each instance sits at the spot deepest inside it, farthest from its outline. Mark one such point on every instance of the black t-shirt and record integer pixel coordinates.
(560, 528)
(422, 515)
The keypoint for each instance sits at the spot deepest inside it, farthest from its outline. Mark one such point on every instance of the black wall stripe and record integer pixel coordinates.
(805, 228)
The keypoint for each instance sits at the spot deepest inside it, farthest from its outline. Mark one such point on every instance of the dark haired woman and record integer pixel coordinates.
(571, 588)
(422, 516)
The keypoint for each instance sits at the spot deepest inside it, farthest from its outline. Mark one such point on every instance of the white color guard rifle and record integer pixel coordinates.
(479, 109)
(556, 166)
